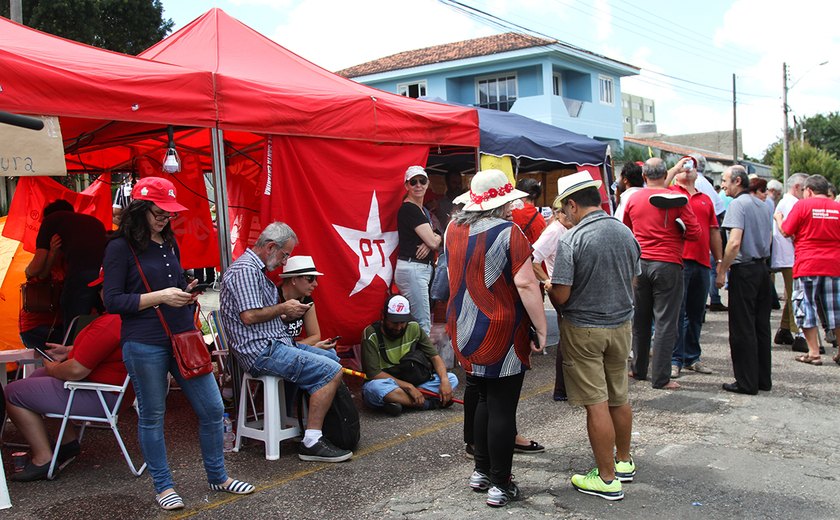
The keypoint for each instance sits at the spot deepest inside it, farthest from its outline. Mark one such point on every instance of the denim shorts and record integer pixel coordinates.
(308, 367)
(375, 390)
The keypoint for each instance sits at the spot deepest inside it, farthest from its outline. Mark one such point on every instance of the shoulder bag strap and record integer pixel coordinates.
(525, 229)
(149, 289)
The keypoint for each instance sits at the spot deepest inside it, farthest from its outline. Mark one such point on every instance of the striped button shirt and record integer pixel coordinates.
(244, 287)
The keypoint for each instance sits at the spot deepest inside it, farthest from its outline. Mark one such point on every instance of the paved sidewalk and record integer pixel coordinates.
(701, 453)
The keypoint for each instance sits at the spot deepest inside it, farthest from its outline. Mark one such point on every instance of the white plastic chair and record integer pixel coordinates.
(109, 417)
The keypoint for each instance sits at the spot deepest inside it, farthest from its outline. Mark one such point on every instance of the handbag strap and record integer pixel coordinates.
(149, 289)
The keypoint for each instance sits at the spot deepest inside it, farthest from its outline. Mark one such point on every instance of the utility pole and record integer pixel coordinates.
(734, 124)
(16, 11)
(785, 136)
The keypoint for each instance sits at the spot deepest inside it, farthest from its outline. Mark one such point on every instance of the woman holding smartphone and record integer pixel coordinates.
(299, 280)
(145, 241)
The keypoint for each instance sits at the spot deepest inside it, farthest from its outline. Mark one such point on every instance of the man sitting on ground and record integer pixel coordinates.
(253, 316)
(384, 345)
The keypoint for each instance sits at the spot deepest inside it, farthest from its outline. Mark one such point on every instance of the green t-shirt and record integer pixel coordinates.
(372, 362)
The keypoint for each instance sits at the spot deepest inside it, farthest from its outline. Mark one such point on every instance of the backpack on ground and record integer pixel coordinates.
(341, 423)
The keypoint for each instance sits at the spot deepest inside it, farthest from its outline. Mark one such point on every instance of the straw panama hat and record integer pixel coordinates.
(299, 266)
(489, 189)
(573, 183)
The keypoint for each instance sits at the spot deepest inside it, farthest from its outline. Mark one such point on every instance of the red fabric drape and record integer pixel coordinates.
(33, 193)
(193, 228)
(341, 199)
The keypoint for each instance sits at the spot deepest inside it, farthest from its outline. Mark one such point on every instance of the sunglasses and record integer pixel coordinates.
(309, 278)
(421, 180)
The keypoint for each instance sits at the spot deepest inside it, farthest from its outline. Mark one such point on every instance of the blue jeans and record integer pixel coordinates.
(413, 279)
(148, 366)
(695, 288)
(375, 390)
(714, 292)
(310, 368)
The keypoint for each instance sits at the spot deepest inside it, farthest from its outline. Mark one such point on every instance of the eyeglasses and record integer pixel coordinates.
(309, 278)
(421, 180)
(163, 217)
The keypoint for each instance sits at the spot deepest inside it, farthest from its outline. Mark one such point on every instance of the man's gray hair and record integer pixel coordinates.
(700, 162)
(468, 218)
(817, 183)
(277, 232)
(774, 185)
(654, 168)
(797, 179)
(739, 172)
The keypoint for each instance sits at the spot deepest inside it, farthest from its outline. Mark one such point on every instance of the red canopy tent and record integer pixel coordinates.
(336, 147)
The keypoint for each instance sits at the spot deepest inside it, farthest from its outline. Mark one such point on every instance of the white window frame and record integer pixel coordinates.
(503, 76)
(606, 95)
(422, 88)
(557, 83)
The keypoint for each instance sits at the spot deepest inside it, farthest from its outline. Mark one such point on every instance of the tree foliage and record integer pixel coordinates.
(127, 26)
(822, 131)
(804, 158)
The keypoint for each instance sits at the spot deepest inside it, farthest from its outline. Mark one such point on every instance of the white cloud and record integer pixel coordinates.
(603, 20)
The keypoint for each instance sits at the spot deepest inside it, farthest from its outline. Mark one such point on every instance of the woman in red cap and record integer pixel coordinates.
(145, 238)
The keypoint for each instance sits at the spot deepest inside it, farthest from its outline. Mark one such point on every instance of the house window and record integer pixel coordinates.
(606, 89)
(412, 90)
(557, 84)
(498, 93)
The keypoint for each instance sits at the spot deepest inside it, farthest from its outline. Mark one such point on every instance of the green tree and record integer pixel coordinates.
(804, 158)
(822, 131)
(127, 26)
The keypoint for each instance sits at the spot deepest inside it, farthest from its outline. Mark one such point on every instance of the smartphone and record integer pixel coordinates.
(43, 353)
(200, 287)
(335, 339)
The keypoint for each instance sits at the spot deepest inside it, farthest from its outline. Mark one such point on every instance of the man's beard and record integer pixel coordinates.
(391, 332)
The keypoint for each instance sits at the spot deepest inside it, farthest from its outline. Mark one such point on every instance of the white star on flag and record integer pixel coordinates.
(373, 247)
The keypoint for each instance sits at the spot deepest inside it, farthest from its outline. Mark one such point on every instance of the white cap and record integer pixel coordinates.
(414, 171)
(398, 309)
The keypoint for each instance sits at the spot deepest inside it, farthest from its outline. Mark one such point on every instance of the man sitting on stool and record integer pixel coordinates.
(385, 345)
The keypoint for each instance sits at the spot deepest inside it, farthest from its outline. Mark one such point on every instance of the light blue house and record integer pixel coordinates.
(539, 78)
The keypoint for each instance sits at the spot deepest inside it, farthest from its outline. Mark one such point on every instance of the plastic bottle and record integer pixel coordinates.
(228, 436)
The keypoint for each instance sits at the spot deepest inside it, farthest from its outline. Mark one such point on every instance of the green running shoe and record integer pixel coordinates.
(591, 484)
(624, 470)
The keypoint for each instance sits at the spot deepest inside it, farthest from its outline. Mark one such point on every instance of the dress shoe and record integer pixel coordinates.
(735, 388)
(718, 307)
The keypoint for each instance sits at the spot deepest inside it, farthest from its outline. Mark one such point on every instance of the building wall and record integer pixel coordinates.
(578, 109)
(635, 110)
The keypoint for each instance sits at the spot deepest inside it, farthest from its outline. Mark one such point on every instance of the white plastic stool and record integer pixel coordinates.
(276, 424)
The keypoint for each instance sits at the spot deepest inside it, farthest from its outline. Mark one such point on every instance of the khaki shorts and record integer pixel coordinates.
(595, 363)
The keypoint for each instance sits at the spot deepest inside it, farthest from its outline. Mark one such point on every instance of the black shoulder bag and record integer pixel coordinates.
(414, 367)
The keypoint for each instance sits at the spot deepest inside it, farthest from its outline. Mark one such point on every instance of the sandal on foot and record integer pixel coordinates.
(531, 447)
(170, 501)
(237, 487)
(809, 360)
(836, 358)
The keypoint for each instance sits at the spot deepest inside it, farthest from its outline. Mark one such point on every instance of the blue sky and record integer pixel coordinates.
(701, 43)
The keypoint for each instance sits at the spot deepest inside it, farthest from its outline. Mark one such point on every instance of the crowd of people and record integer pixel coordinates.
(673, 242)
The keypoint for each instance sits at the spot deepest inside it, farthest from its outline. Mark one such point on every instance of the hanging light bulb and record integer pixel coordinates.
(171, 161)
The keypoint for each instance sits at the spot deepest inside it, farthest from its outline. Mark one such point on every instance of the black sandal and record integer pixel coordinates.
(32, 473)
(531, 447)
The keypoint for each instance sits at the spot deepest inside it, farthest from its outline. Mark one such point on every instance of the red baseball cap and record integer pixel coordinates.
(99, 280)
(157, 190)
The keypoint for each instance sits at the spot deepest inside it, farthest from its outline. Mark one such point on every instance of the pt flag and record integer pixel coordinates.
(341, 199)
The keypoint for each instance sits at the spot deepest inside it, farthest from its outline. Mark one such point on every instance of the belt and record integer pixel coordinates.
(412, 259)
(753, 261)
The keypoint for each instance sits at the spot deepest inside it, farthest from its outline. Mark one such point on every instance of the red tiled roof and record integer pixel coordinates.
(447, 52)
(678, 148)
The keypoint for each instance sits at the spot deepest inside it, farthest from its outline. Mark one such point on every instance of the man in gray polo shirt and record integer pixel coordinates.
(597, 253)
(749, 222)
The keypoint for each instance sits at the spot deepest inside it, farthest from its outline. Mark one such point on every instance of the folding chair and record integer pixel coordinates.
(109, 417)
(226, 362)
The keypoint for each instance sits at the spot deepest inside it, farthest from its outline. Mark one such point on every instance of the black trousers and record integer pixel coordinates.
(495, 425)
(749, 325)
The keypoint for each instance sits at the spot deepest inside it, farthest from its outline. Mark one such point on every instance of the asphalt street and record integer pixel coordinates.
(700, 453)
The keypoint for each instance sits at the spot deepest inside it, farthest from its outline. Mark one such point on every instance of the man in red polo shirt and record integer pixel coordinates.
(814, 224)
(696, 279)
(661, 221)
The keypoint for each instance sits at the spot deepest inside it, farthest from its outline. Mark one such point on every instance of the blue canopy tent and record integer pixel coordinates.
(533, 146)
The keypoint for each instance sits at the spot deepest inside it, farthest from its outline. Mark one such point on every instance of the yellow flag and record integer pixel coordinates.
(650, 152)
(491, 162)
